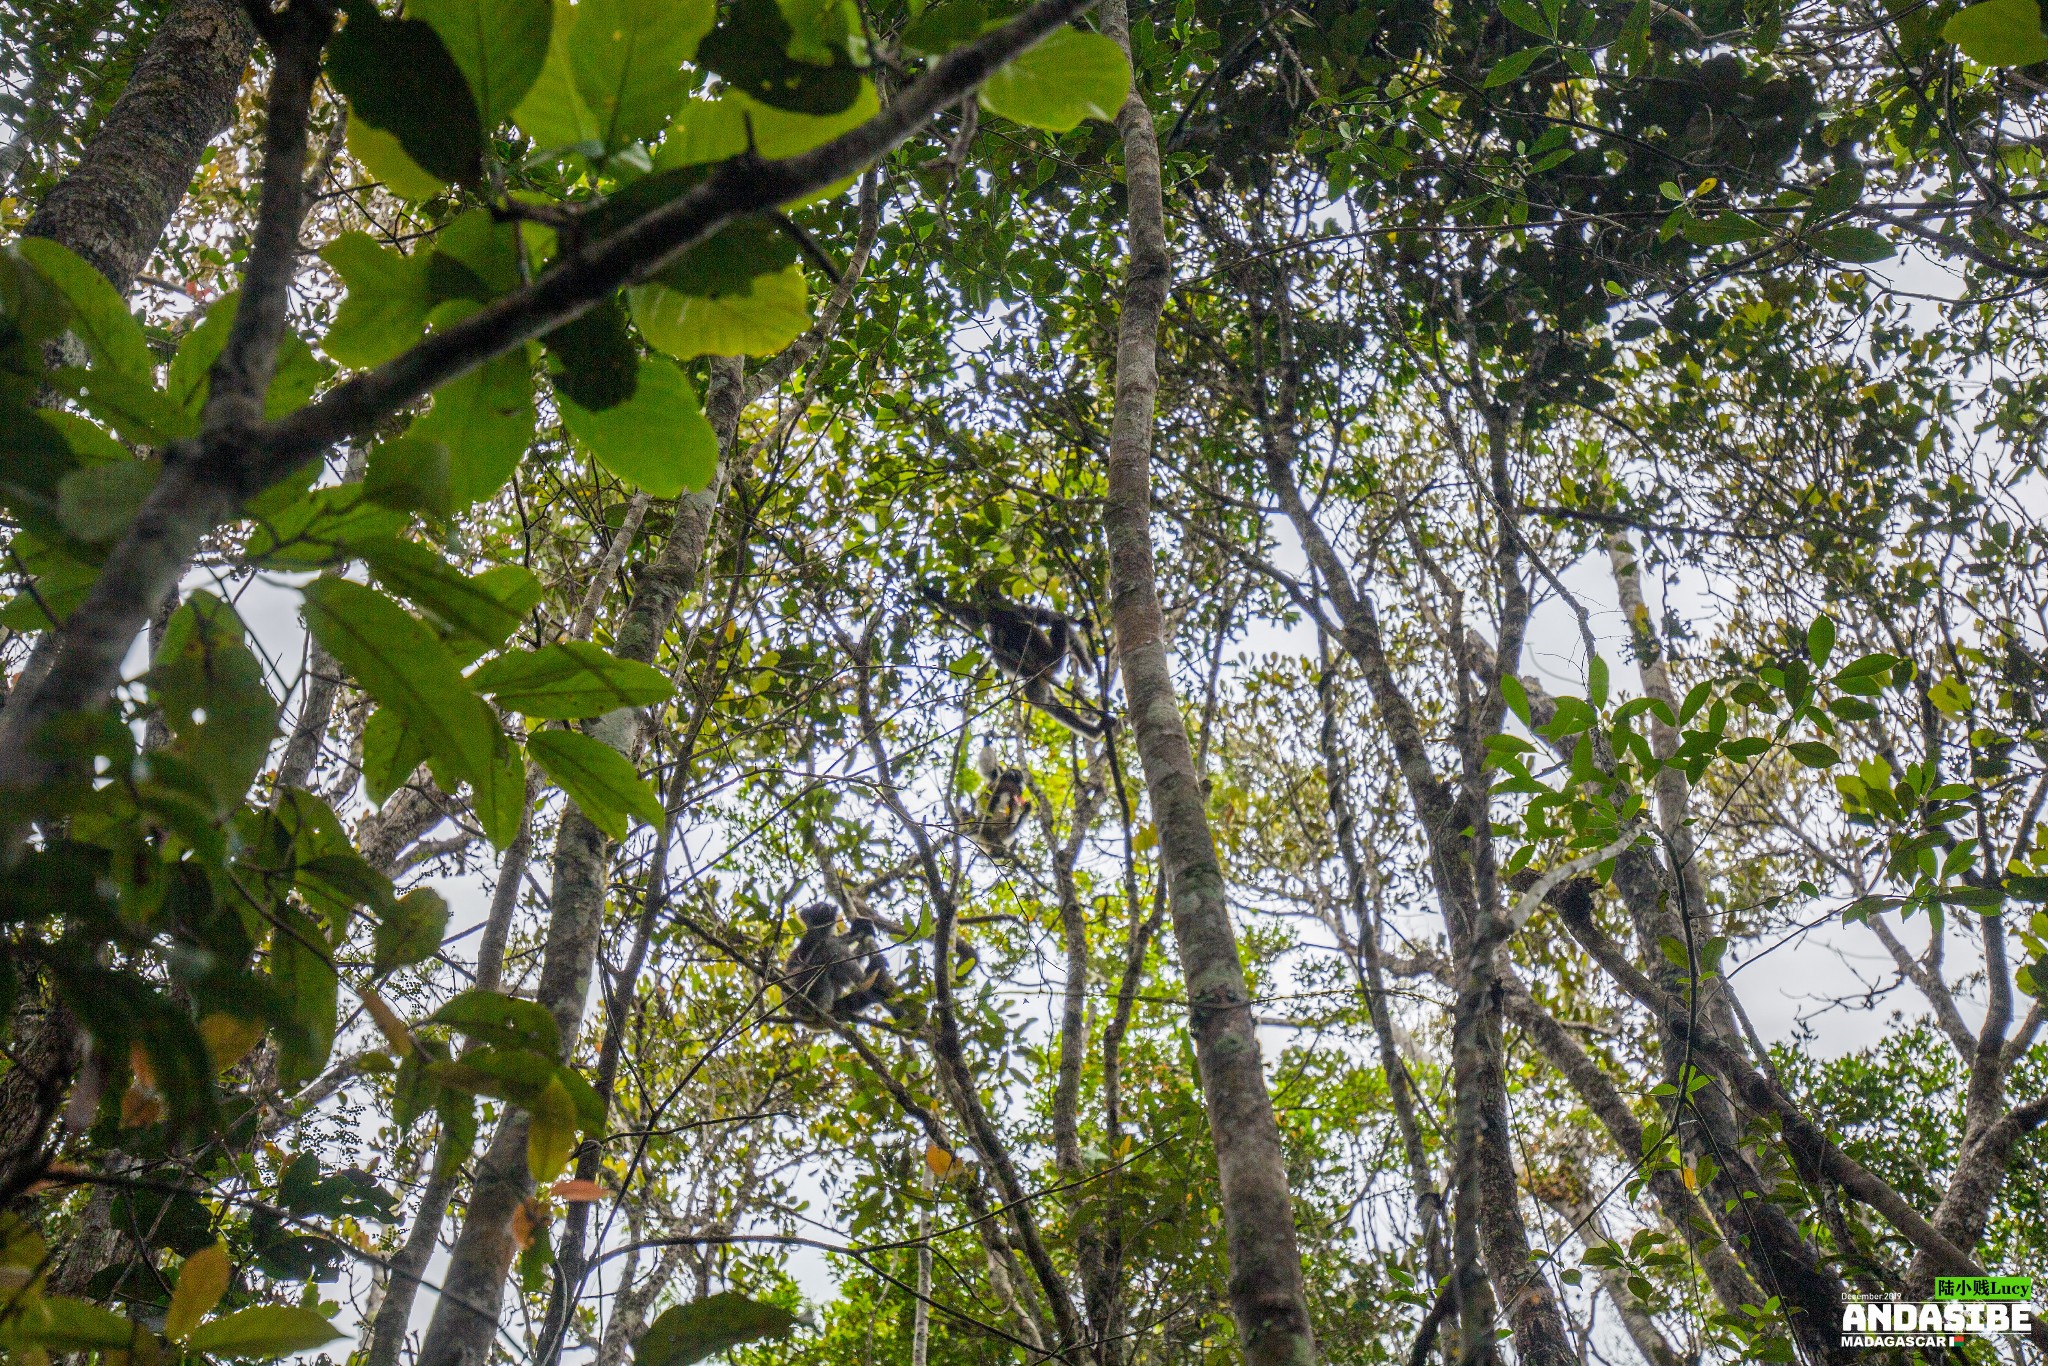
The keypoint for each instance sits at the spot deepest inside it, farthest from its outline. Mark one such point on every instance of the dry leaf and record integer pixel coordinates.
(395, 1032)
(528, 1220)
(943, 1164)
(577, 1192)
(140, 1106)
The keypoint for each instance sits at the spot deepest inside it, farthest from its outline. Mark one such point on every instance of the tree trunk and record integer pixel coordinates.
(1266, 1291)
(115, 204)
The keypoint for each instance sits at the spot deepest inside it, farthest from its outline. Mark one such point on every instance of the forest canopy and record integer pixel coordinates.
(963, 681)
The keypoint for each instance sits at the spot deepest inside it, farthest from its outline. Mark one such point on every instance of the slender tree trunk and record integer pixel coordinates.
(1267, 1296)
(115, 204)
(466, 1318)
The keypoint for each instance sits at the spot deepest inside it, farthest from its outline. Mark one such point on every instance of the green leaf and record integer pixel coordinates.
(95, 503)
(658, 440)
(210, 687)
(299, 371)
(568, 681)
(302, 974)
(1067, 77)
(1524, 15)
(1950, 696)
(137, 410)
(2000, 33)
(1514, 66)
(410, 930)
(1814, 754)
(595, 363)
(398, 661)
(550, 1132)
(771, 314)
(1820, 640)
(385, 309)
(1596, 682)
(628, 60)
(500, 46)
(485, 419)
(98, 314)
(202, 1280)
(1857, 246)
(731, 260)
(1516, 697)
(383, 156)
(390, 754)
(553, 114)
(264, 1330)
(515, 1074)
(409, 474)
(323, 527)
(59, 1323)
(688, 1333)
(1724, 228)
(600, 780)
(943, 27)
(714, 130)
(754, 50)
(398, 77)
(502, 1021)
(470, 607)
(499, 800)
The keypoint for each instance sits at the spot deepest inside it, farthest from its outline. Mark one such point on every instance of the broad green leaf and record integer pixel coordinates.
(503, 1021)
(1814, 754)
(499, 800)
(475, 257)
(1067, 77)
(302, 974)
(658, 440)
(1858, 246)
(399, 662)
(757, 51)
(2000, 33)
(95, 503)
(593, 360)
(137, 410)
(550, 1132)
(98, 314)
(410, 930)
(1820, 640)
(943, 27)
(1596, 682)
(385, 309)
(568, 681)
(390, 754)
(1524, 15)
(553, 114)
(515, 1074)
(383, 156)
(628, 58)
(499, 44)
(202, 1280)
(398, 77)
(409, 474)
(299, 371)
(264, 1330)
(468, 606)
(59, 1323)
(1514, 66)
(323, 527)
(1724, 228)
(688, 1333)
(710, 131)
(731, 259)
(60, 582)
(773, 313)
(600, 780)
(210, 687)
(1517, 698)
(486, 420)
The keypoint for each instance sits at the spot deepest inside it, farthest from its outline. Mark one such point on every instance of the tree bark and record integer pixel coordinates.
(1267, 1296)
(113, 207)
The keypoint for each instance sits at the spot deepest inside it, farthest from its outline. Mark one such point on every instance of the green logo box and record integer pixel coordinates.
(1984, 1287)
